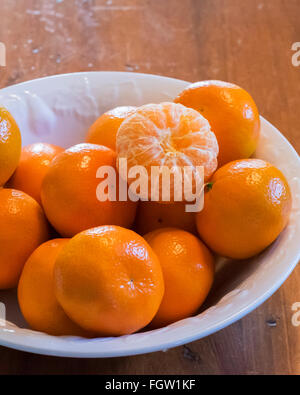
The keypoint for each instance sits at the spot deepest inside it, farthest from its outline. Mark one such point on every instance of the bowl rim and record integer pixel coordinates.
(18, 342)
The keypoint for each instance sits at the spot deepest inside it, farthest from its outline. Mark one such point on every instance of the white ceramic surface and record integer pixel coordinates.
(59, 110)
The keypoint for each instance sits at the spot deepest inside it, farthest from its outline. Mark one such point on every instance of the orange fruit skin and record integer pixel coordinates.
(23, 227)
(10, 145)
(152, 215)
(105, 128)
(188, 270)
(232, 114)
(69, 192)
(109, 281)
(246, 208)
(36, 293)
(34, 163)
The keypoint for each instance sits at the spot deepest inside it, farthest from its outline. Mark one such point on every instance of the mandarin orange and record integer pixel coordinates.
(34, 163)
(246, 206)
(152, 215)
(188, 270)
(168, 135)
(104, 129)
(109, 281)
(23, 227)
(69, 191)
(10, 145)
(36, 293)
(232, 114)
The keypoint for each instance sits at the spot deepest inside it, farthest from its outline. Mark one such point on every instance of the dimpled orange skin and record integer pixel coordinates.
(36, 293)
(104, 129)
(10, 145)
(109, 281)
(23, 227)
(246, 207)
(34, 163)
(188, 270)
(232, 114)
(152, 215)
(69, 192)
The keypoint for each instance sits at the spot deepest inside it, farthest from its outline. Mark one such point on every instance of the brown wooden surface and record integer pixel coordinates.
(244, 41)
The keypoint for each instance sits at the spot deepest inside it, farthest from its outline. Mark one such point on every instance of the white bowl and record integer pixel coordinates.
(59, 110)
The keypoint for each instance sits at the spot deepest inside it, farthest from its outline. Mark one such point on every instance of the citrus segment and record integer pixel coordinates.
(169, 135)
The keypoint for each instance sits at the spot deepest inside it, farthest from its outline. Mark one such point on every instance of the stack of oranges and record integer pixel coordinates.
(89, 267)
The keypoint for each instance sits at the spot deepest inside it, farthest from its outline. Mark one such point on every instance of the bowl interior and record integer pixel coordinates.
(59, 110)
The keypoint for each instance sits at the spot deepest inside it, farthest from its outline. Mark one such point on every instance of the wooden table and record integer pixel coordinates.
(247, 42)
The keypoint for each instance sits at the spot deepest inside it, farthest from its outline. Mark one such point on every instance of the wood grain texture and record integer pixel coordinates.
(247, 42)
